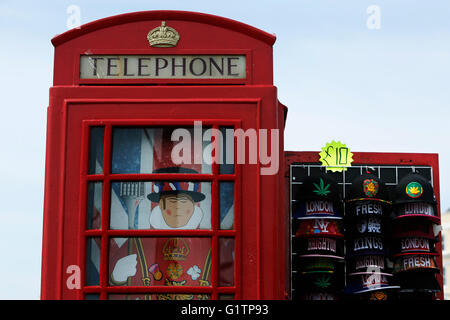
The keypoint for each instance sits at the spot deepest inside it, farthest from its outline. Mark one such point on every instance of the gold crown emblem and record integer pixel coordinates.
(175, 249)
(163, 36)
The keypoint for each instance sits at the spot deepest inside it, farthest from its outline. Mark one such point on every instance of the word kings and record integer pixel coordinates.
(368, 243)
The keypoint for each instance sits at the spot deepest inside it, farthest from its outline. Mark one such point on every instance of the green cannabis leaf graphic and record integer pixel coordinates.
(323, 282)
(321, 190)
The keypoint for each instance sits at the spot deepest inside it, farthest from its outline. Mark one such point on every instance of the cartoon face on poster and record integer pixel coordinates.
(161, 205)
(177, 203)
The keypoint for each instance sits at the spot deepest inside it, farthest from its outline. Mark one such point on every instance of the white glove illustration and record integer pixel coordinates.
(124, 268)
(194, 272)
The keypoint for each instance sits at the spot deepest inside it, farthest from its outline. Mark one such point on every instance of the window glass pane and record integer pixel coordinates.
(92, 296)
(161, 205)
(227, 163)
(161, 296)
(226, 190)
(226, 296)
(94, 205)
(161, 150)
(93, 245)
(160, 261)
(226, 262)
(96, 150)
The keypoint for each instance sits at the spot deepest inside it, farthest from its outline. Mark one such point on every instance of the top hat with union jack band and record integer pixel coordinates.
(162, 188)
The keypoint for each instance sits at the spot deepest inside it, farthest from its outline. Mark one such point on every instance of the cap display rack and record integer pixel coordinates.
(298, 171)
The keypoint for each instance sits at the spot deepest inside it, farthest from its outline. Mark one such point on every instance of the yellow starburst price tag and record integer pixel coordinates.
(336, 156)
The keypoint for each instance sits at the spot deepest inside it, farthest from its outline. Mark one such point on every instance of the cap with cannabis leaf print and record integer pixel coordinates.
(319, 186)
(318, 197)
(414, 188)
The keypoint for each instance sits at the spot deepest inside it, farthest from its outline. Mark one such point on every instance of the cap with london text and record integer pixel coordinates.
(310, 209)
(416, 209)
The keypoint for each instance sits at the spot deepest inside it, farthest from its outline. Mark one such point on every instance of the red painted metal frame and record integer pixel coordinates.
(381, 158)
(260, 242)
(106, 234)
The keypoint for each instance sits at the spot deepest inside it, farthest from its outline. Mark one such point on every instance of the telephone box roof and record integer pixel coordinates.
(164, 15)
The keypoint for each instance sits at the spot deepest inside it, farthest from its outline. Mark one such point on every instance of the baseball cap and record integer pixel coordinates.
(361, 282)
(414, 188)
(368, 187)
(319, 227)
(410, 262)
(368, 225)
(408, 245)
(366, 245)
(418, 227)
(367, 263)
(330, 247)
(318, 209)
(417, 283)
(319, 186)
(416, 209)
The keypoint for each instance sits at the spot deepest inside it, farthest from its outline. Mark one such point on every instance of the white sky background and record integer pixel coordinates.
(384, 90)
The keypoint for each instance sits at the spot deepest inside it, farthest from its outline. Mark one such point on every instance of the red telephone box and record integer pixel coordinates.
(159, 182)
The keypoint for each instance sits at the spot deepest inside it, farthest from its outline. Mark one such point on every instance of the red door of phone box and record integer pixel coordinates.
(130, 210)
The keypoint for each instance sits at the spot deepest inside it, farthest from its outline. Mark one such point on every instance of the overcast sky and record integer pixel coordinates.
(379, 90)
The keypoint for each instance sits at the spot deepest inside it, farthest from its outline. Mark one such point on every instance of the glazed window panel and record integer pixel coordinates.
(93, 245)
(160, 296)
(184, 150)
(160, 261)
(94, 205)
(197, 256)
(160, 205)
(226, 262)
(227, 151)
(226, 190)
(96, 150)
